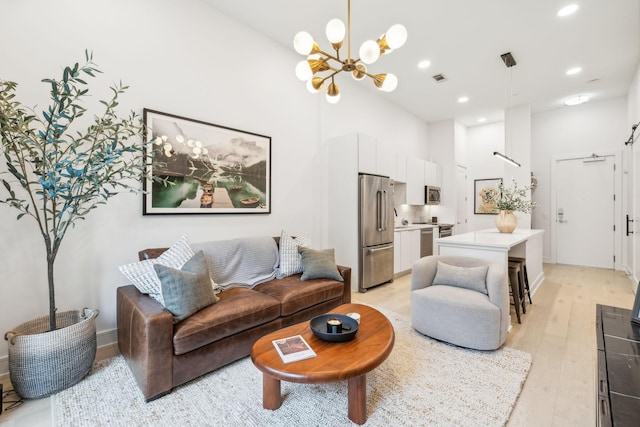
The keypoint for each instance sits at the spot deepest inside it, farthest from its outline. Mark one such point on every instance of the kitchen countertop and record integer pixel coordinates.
(409, 227)
(489, 238)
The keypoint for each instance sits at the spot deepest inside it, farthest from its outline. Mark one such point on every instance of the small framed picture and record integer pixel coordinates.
(482, 188)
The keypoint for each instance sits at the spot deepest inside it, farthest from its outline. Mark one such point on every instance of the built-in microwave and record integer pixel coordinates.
(431, 195)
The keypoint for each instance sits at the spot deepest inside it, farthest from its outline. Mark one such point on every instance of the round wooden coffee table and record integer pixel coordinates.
(334, 362)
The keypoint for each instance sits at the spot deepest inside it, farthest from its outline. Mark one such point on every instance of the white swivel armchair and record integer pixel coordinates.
(460, 308)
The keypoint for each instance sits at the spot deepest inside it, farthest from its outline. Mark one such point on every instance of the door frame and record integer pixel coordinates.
(617, 205)
(462, 228)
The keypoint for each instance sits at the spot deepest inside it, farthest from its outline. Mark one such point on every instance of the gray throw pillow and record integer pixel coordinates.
(187, 290)
(319, 264)
(473, 278)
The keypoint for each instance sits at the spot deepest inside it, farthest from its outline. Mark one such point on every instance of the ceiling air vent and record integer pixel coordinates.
(439, 78)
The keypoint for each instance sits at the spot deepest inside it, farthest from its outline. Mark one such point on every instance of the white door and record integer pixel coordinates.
(585, 208)
(635, 225)
(461, 200)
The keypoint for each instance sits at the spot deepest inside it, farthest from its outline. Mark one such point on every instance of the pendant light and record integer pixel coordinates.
(510, 62)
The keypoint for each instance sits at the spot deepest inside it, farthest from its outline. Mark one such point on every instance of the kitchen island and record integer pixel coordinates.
(493, 246)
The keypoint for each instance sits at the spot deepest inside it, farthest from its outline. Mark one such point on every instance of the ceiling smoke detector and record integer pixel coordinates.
(439, 78)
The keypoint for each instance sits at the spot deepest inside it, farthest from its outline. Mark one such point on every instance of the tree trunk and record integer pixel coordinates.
(51, 257)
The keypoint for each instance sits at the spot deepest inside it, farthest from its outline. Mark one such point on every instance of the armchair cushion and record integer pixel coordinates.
(473, 278)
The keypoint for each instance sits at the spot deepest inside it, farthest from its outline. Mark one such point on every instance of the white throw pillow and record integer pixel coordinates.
(290, 259)
(143, 276)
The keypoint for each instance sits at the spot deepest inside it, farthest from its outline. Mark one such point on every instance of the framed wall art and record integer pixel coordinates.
(482, 187)
(203, 168)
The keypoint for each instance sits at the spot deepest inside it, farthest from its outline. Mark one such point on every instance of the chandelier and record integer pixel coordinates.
(321, 66)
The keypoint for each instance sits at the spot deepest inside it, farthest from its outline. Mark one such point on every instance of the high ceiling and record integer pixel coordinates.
(464, 39)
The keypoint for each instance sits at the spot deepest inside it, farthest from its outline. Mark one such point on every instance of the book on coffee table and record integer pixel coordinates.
(292, 349)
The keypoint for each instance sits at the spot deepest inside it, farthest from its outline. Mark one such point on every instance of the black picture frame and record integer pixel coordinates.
(480, 186)
(209, 168)
(635, 312)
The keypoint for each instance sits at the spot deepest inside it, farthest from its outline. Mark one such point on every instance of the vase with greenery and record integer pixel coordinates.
(62, 163)
(508, 200)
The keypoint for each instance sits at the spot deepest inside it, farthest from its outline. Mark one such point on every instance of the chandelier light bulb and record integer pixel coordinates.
(333, 99)
(333, 93)
(303, 71)
(303, 43)
(389, 83)
(369, 52)
(335, 31)
(396, 36)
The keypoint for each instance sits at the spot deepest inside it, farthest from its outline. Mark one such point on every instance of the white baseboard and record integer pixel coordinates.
(107, 343)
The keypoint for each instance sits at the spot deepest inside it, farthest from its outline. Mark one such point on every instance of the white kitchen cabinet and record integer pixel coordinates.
(367, 159)
(414, 246)
(399, 194)
(375, 157)
(385, 160)
(401, 167)
(432, 174)
(397, 253)
(415, 181)
(407, 249)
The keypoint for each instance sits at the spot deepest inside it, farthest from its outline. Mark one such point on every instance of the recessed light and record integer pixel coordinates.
(463, 99)
(568, 10)
(576, 100)
(482, 119)
(573, 71)
(424, 64)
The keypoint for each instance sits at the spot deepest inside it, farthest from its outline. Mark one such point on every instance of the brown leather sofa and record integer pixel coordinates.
(162, 355)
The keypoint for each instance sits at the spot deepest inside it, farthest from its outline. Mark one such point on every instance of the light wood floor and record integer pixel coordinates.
(558, 330)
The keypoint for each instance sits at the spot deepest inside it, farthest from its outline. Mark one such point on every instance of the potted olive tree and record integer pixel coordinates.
(58, 167)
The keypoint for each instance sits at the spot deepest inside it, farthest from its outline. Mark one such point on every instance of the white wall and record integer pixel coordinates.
(591, 127)
(633, 153)
(186, 59)
(442, 150)
(482, 141)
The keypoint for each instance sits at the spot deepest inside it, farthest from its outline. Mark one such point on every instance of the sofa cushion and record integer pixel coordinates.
(319, 264)
(143, 276)
(188, 289)
(290, 259)
(473, 278)
(295, 295)
(239, 309)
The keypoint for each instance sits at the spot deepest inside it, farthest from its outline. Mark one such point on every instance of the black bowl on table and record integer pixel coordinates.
(319, 327)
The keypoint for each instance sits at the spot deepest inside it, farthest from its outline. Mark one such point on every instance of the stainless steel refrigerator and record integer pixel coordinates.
(376, 231)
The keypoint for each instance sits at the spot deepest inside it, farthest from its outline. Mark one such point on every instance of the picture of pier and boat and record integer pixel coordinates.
(205, 168)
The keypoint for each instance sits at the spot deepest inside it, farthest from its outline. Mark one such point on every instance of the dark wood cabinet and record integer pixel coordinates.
(618, 386)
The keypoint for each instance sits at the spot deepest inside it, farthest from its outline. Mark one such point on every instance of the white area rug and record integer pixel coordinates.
(422, 383)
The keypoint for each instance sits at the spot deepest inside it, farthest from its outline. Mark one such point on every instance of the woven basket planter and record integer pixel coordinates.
(43, 362)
